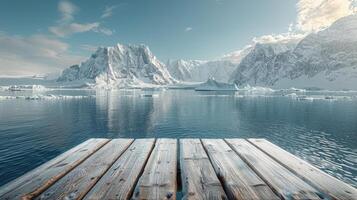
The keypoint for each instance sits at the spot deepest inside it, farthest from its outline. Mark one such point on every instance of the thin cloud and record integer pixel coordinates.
(88, 47)
(187, 29)
(103, 30)
(34, 54)
(67, 10)
(314, 15)
(66, 25)
(108, 11)
(69, 29)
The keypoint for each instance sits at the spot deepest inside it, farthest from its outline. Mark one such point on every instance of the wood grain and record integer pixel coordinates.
(158, 180)
(331, 186)
(284, 182)
(199, 179)
(238, 179)
(119, 181)
(81, 179)
(40, 178)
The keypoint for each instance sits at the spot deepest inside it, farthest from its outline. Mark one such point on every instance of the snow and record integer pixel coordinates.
(212, 85)
(326, 60)
(237, 56)
(121, 66)
(341, 79)
(256, 89)
(200, 71)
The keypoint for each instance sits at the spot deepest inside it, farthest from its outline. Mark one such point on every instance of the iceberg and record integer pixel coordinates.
(213, 85)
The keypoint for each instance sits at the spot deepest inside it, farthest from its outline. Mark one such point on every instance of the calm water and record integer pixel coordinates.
(323, 132)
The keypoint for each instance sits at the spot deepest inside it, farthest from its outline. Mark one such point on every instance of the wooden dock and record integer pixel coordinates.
(164, 168)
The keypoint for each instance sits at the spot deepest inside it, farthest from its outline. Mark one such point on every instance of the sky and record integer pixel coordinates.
(46, 36)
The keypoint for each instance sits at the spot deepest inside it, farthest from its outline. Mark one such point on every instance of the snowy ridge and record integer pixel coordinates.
(120, 66)
(200, 71)
(326, 59)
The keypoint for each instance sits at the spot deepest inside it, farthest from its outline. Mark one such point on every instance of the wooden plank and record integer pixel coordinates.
(159, 177)
(199, 179)
(82, 178)
(119, 181)
(331, 186)
(284, 182)
(40, 178)
(238, 179)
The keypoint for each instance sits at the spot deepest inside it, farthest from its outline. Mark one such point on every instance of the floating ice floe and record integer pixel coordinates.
(322, 97)
(44, 97)
(26, 87)
(257, 89)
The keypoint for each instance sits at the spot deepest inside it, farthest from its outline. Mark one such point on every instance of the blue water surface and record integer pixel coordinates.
(321, 131)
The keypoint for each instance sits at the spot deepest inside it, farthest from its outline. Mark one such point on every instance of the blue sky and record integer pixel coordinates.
(44, 35)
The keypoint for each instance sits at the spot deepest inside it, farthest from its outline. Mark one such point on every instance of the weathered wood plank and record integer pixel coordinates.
(40, 178)
(82, 178)
(119, 181)
(331, 186)
(284, 182)
(159, 177)
(238, 179)
(199, 179)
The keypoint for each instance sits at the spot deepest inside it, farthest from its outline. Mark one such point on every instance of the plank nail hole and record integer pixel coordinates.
(169, 195)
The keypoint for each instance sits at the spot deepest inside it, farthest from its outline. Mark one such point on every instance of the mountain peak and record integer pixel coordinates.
(121, 64)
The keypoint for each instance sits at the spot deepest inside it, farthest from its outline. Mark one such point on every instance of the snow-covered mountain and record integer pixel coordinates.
(120, 66)
(200, 71)
(237, 56)
(326, 59)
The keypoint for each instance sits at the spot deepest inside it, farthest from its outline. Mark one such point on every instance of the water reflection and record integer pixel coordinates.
(321, 132)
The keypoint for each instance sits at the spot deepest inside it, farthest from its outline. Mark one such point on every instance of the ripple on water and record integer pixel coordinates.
(321, 132)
